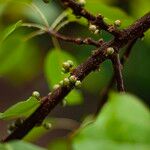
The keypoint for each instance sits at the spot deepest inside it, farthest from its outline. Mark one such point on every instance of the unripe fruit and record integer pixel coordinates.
(18, 122)
(92, 28)
(82, 2)
(36, 94)
(78, 84)
(47, 125)
(66, 82)
(61, 83)
(56, 86)
(73, 79)
(117, 23)
(110, 51)
(96, 31)
(70, 63)
(66, 65)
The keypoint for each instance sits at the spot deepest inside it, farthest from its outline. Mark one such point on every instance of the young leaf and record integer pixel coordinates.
(122, 124)
(9, 30)
(19, 145)
(21, 109)
(53, 66)
(15, 59)
(62, 144)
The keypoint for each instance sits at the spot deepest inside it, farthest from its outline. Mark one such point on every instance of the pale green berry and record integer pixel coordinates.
(92, 28)
(117, 23)
(63, 71)
(11, 128)
(82, 2)
(73, 79)
(78, 84)
(56, 86)
(36, 94)
(61, 83)
(66, 81)
(110, 51)
(18, 122)
(96, 31)
(70, 63)
(47, 125)
(66, 65)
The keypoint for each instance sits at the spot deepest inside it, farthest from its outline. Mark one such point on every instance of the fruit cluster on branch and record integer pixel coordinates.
(105, 50)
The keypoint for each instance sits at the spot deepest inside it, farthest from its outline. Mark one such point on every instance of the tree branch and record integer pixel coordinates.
(51, 100)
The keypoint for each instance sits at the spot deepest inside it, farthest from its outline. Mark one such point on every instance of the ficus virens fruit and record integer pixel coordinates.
(82, 2)
(61, 83)
(92, 28)
(56, 86)
(72, 79)
(18, 122)
(117, 23)
(11, 127)
(66, 82)
(70, 62)
(47, 125)
(67, 66)
(78, 84)
(109, 51)
(96, 31)
(36, 94)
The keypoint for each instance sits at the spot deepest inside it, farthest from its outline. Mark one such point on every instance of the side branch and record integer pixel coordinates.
(79, 10)
(51, 100)
(118, 72)
(79, 41)
(105, 91)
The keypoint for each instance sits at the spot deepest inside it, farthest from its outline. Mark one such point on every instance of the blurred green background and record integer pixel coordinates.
(26, 64)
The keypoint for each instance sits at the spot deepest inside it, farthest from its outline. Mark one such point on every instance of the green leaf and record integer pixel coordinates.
(15, 59)
(39, 131)
(59, 144)
(19, 145)
(21, 109)
(9, 30)
(53, 66)
(122, 124)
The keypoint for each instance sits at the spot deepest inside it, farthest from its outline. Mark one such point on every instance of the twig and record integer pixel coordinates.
(118, 72)
(78, 10)
(79, 41)
(51, 100)
(105, 91)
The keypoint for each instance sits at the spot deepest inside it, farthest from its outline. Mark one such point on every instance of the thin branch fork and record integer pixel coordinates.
(91, 64)
(118, 72)
(105, 91)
